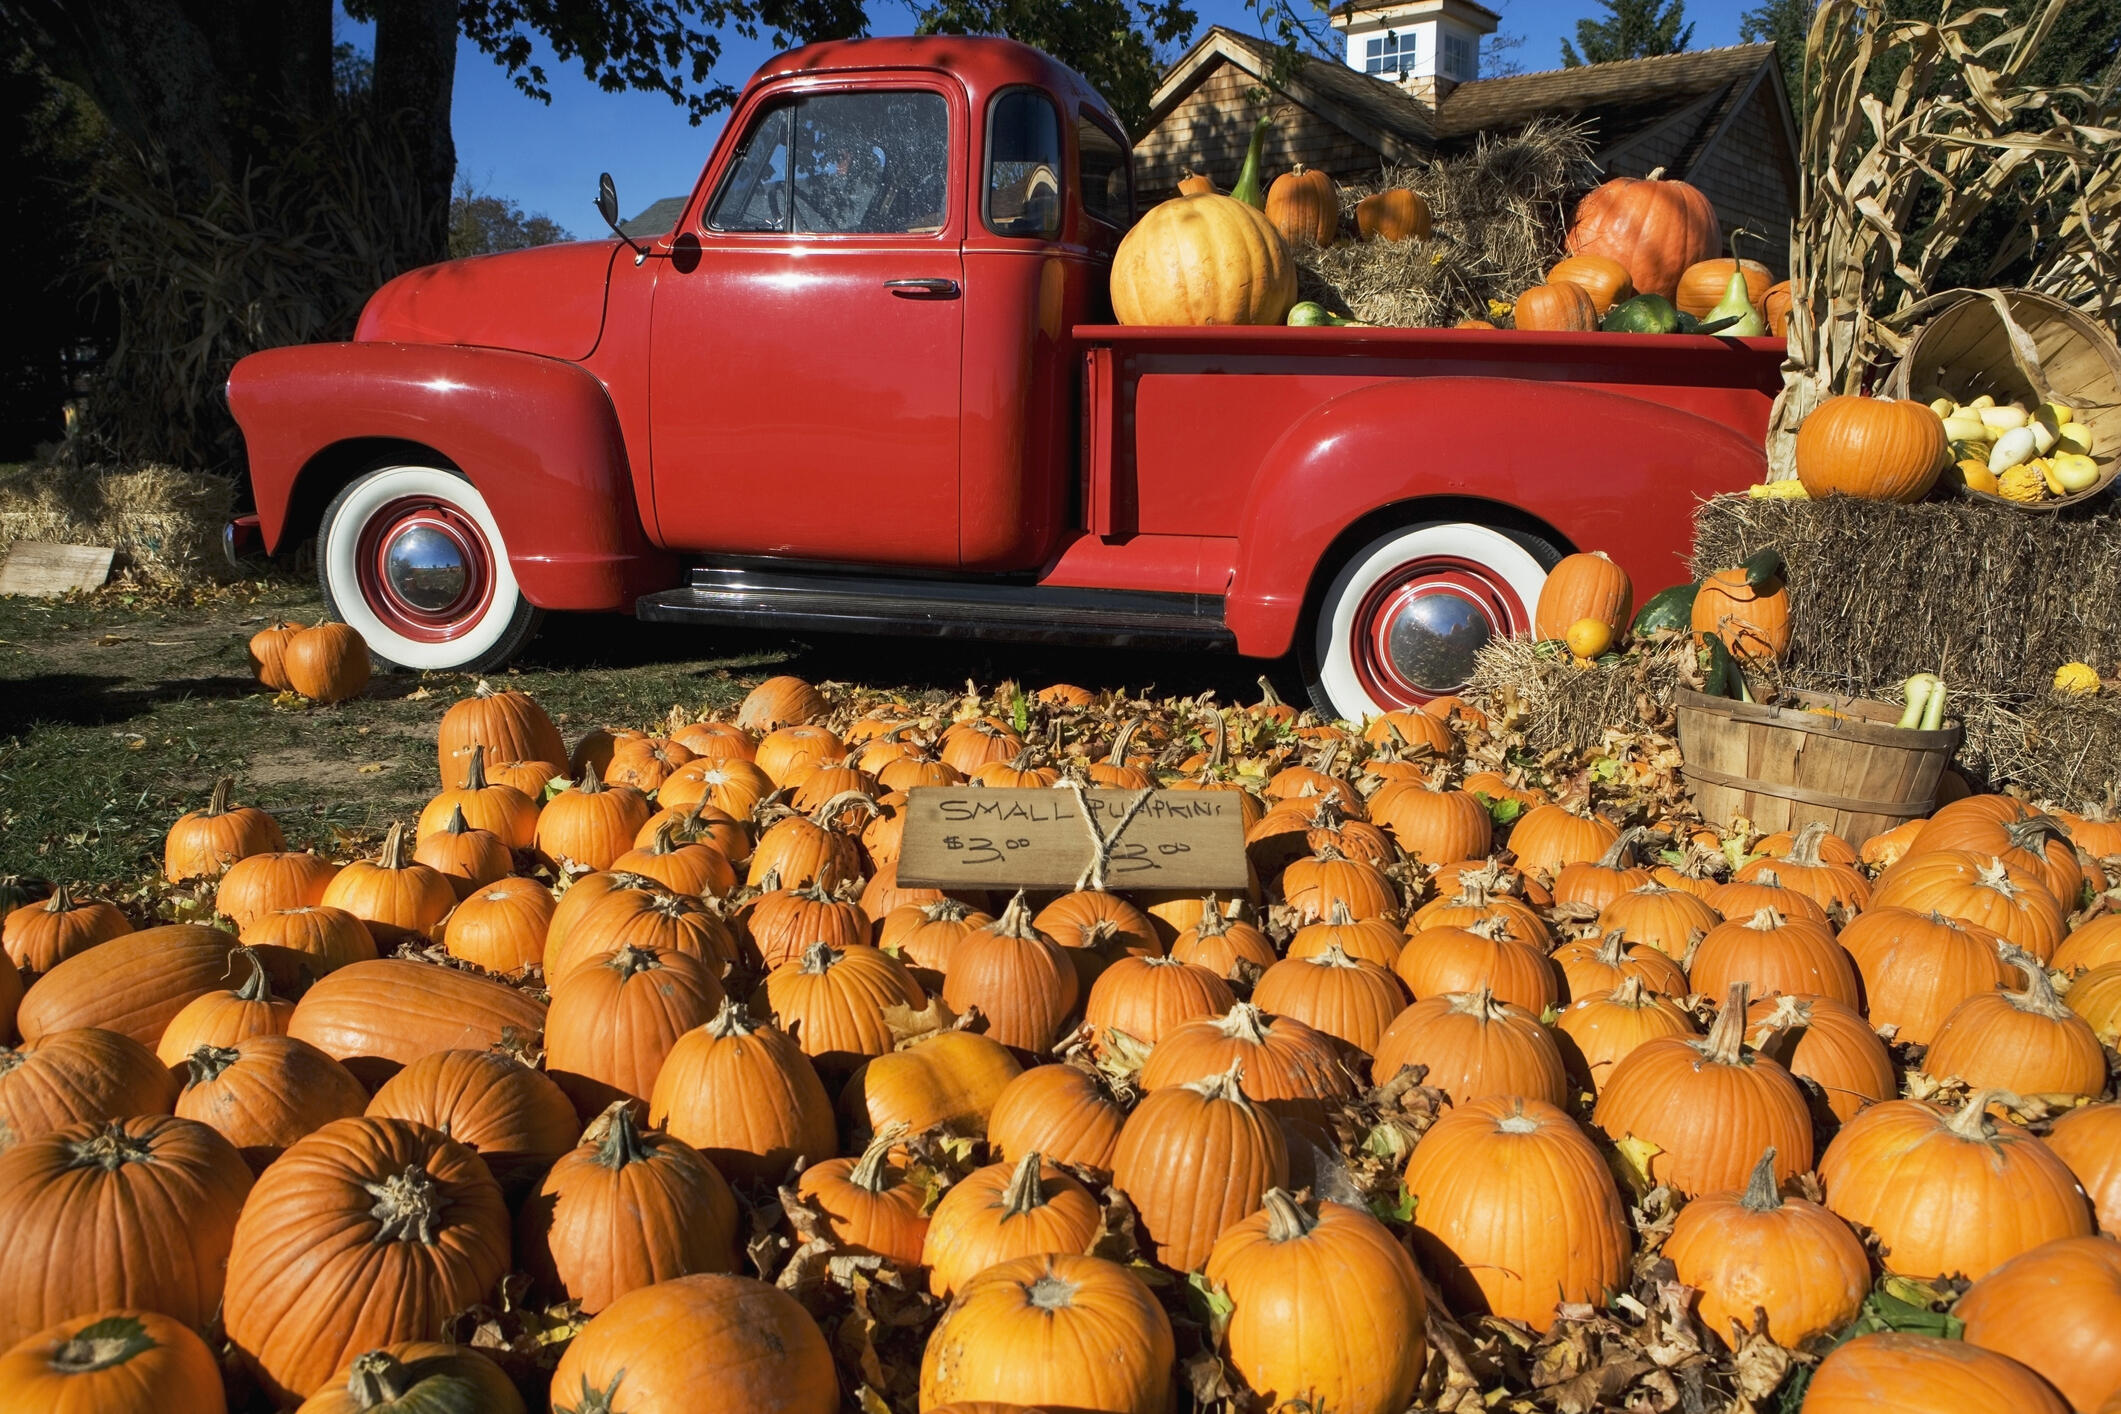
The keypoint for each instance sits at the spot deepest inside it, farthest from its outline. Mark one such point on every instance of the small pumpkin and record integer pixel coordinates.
(1759, 1251)
(113, 1362)
(1473, 1046)
(327, 938)
(611, 1024)
(1584, 586)
(1702, 285)
(1194, 1159)
(778, 702)
(1598, 1029)
(1018, 977)
(1002, 1212)
(327, 663)
(837, 1003)
(78, 1077)
(744, 1094)
(223, 1018)
(590, 824)
(1602, 277)
(952, 1079)
(395, 895)
(1304, 205)
(1137, 999)
(1285, 1065)
(265, 1092)
(1059, 1331)
(1067, 1112)
(2088, 1140)
(502, 926)
(468, 858)
(501, 726)
(261, 883)
(869, 1204)
(1748, 611)
(1772, 954)
(204, 843)
(1829, 1049)
(40, 936)
(2024, 1040)
(737, 1342)
(1394, 214)
(417, 1377)
(1565, 307)
(267, 653)
(1351, 1000)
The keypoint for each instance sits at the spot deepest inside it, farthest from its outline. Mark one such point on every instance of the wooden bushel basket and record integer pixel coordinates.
(1783, 768)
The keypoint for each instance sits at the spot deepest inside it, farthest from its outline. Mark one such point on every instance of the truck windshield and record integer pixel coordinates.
(840, 164)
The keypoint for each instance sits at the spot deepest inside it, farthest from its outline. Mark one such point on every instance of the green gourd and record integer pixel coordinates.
(1248, 189)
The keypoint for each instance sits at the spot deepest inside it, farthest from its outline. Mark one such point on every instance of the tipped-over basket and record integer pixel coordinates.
(1845, 764)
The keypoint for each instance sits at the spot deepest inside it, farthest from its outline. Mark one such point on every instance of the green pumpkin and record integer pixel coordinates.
(420, 1378)
(1667, 609)
(1644, 314)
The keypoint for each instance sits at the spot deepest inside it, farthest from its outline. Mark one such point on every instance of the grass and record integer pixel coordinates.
(118, 710)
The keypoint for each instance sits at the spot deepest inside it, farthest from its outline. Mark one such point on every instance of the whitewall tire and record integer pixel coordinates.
(1402, 618)
(412, 559)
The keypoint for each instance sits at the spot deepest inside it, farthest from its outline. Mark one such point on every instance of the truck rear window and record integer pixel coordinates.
(841, 164)
(1108, 178)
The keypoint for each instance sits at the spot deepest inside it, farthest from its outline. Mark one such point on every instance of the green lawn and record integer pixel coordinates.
(117, 711)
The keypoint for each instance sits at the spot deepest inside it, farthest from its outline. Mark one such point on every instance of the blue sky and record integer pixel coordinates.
(547, 157)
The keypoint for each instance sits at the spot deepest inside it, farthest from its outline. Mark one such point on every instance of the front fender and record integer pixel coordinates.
(537, 436)
(1605, 470)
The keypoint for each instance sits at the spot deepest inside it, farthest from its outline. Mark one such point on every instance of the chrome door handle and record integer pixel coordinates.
(931, 289)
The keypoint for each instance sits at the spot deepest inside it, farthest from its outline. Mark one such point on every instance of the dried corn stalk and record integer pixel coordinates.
(1888, 187)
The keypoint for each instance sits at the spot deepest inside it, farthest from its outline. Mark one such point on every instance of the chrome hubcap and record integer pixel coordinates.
(426, 568)
(1433, 639)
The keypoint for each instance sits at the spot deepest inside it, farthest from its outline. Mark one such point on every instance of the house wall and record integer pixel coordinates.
(1750, 174)
(1209, 128)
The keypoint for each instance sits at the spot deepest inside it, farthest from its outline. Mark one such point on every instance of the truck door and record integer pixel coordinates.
(808, 333)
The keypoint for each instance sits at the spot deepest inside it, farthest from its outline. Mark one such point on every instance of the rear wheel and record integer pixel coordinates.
(1402, 620)
(411, 558)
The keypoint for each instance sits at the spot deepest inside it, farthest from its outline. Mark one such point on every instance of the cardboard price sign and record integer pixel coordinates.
(1043, 839)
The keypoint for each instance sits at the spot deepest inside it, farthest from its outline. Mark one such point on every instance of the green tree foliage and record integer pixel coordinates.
(1119, 45)
(1632, 29)
(481, 223)
(1783, 23)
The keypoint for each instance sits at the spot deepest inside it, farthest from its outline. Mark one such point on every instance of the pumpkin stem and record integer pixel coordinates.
(217, 803)
(475, 769)
(110, 1148)
(1332, 956)
(61, 901)
(591, 782)
(397, 849)
(664, 838)
(630, 961)
(1215, 749)
(871, 1173)
(102, 1344)
(407, 1207)
(1612, 950)
(1725, 1044)
(1495, 928)
(1121, 740)
(591, 1400)
(1244, 1022)
(734, 1019)
(1286, 1222)
(1227, 1085)
(617, 1135)
(819, 958)
(1214, 922)
(1338, 914)
(1631, 992)
(846, 799)
(377, 1379)
(1480, 1002)
(1049, 1292)
(1620, 854)
(207, 1062)
(1268, 697)
(1804, 850)
(1972, 1121)
(257, 987)
(1996, 875)
(457, 824)
(1027, 1187)
(947, 910)
(1762, 1193)
(2038, 996)
(1765, 920)
(1015, 921)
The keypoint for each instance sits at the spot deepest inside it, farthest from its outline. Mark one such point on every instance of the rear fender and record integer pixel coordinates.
(537, 437)
(1604, 470)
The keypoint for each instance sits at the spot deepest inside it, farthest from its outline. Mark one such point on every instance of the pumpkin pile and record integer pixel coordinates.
(633, 1072)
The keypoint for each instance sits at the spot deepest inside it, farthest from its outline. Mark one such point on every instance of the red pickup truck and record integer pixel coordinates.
(870, 381)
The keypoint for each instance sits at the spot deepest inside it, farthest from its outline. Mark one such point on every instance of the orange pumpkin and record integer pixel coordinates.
(1775, 308)
(2026, 1042)
(1066, 1112)
(1753, 623)
(1875, 449)
(501, 726)
(1702, 285)
(78, 1077)
(1829, 1049)
(501, 927)
(1756, 1250)
(397, 897)
(590, 824)
(1005, 1211)
(265, 1092)
(267, 652)
(1565, 307)
(328, 663)
(778, 702)
(1351, 1000)
(1200, 260)
(261, 883)
(513, 1117)
(1896, 1373)
(40, 936)
(204, 843)
(1304, 205)
(1598, 1029)
(1474, 1047)
(1394, 214)
(867, 1203)
(1194, 1159)
(1017, 976)
(1656, 228)
(1291, 1069)
(706, 1338)
(2088, 1140)
(1602, 277)
(113, 1362)
(744, 1094)
(1058, 1331)
(2057, 1311)
(1584, 586)
(613, 1021)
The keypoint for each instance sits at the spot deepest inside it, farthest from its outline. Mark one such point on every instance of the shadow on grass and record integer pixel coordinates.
(94, 700)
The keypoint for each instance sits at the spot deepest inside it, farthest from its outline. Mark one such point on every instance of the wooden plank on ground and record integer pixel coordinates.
(974, 838)
(35, 568)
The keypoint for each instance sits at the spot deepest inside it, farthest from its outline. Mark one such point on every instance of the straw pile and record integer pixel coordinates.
(1562, 706)
(164, 523)
(1500, 212)
(1991, 599)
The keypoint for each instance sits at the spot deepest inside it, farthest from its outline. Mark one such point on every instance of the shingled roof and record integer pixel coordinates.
(1405, 125)
(1619, 99)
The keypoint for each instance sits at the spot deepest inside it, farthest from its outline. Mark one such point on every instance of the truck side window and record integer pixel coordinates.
(1024, 161)
(1107, 173)
(841, 164)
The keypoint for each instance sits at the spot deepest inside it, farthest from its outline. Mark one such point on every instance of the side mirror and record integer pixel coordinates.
(608, 208)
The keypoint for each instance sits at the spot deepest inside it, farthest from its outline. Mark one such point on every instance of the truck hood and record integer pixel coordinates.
(546, 300)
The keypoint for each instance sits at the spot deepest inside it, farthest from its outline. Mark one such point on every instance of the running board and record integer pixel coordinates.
(941, 608)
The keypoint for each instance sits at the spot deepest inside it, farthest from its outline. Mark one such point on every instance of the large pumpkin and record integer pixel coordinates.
(368, 1231)
(39, 936)
(467, 857)
(1516, 1212)
(392, 1011)
(259, 884)
(417, 1377)
(1917, 967)
(1326, 1308)
(1829, 1049)
(1002, 1212)
(265, 1092)
(1788, 1257)
(2024, 1041)
(136, 983)
(74, 1077)
(626, 1208)
(1697, 1115)
(1474, 1046)
(1584, 586)
(124, 1213)
(953, 1079)
(112, 1362)
(513, 1117)
(1294, 1071)
(1195, 1159)
(1950, 1194)
(1892, 1372)
(1987, 891)
(1202, 260)
(2057, 1311)
(1875, 449)
(727, 1341)
(1656, 228)
(327, 663)
(744, 1094)
(1055, 1331)
(1549, 838)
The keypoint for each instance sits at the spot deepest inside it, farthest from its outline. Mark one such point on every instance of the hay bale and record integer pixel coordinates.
(1500, 213)
(1991, 599)
(165, 524)
(1563, 706)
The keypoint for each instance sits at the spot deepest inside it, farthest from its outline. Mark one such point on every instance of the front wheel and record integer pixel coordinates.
(411, 558)
(1402, 620)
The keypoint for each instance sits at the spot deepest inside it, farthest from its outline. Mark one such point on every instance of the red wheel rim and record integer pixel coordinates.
(425, 569)
(1416, 630)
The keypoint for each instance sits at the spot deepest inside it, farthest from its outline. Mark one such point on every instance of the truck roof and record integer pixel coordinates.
(983, 63)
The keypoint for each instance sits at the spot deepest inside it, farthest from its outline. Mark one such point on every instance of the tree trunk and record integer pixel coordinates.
(416, 68)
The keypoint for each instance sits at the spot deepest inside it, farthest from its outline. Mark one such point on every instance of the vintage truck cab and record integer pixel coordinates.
(869, 380)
